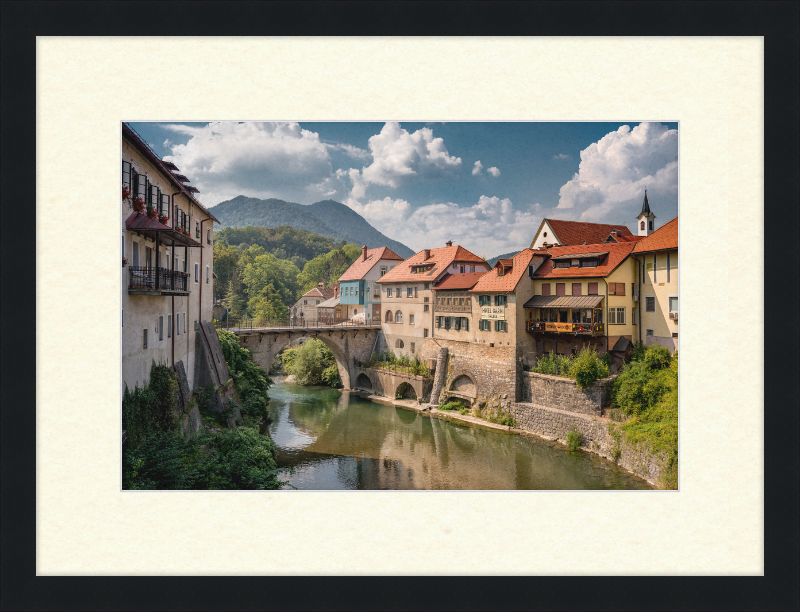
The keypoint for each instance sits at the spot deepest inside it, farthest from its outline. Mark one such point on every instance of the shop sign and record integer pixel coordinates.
(558, 327)
(495, 313)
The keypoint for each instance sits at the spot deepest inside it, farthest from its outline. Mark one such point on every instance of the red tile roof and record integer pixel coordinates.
(617, 253)
(576, 232)
(318, 292)
(441, 259)
(664, 238)
(361, 266)
(630, 238)
(492, 281)
(459, 281)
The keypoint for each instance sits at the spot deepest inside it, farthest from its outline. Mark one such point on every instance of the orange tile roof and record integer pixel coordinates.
(441, 259)
(361, 266)
(630, 238)
(617, 253)
(664, 238)
(459, 281)
(318, 292)
(576, 232)
(491, 281)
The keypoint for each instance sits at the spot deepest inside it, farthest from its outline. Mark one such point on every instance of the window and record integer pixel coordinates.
(388, 292)
(425, 287)
(383, 270)
(648, 332)
(620, 288)
(465, 323)
(561, 263)
(673, 303)
(655, 268)
(208, 235)
(472, 268)
(576, 289)
(545, 288)
(161, 328)
(411, 319)
(208, 275)
(674, 334)
(376, 291)
(398, 343)
(126, 174)
(641, 225)
(197, 272)
(456, 323)
(668, 266)
(389, 318)
(144, 338)
(446, 322)
(592, 288)
(409, 292)
(169, 326)
(561, 289)
(588, 263)
(462, 269)
(633, 316)
(501, 326)
(500, 300)
(425, 333)
(616, 316)
(178, 324)
(650, 224)
(184, 322)
(438, 322)
(641, 265)
(650, 303)
(412, 348)
(135, 253)
(455, 266)
(586, 315)
(484, 300)
(305, 302)
(398, 317)
(559, 348)
(576, 316)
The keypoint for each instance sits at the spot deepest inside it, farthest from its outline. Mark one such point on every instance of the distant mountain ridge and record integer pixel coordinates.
(327, 218)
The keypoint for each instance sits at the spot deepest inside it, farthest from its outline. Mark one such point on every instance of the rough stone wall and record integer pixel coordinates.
(188, 413)
(564, 393)
(595, 433)
(493, 371)
(387, 383)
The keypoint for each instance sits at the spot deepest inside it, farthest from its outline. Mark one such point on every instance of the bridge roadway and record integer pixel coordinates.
(349, 342)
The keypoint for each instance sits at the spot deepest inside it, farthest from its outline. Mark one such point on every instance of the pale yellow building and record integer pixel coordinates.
(657, 258)
(167, 270)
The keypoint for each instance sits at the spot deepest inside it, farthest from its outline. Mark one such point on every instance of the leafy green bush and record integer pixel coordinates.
(151, 408)
(312, 363)
(502, 418)
(638, 351)
(587, 367)
(657, 357)
(650, 397)
(574, 439)
(554, 365)
(450, 406)
(252, 382)
(239, 458)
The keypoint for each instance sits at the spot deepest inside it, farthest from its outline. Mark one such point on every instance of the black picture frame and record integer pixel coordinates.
(776, 21)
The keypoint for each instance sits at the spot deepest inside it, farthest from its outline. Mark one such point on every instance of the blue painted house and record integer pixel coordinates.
(360, 291)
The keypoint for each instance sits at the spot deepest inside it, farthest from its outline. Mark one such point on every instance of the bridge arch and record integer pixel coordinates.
(464, 384)
(364, 382)
(405, 391)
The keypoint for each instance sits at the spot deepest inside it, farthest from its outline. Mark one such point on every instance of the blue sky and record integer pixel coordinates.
(484, 185)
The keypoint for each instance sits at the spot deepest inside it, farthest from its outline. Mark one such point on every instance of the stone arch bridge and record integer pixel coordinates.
(349, 344)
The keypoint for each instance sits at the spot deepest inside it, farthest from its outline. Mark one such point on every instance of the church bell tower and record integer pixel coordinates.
(646, 219)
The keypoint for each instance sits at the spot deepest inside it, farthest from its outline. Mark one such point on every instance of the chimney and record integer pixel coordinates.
(364, 253)
(321, 285)
(449, 243)
(427, 254)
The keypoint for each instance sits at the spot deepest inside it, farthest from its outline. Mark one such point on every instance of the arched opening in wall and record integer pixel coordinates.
(641, 225)
(389, 316)
(405, 391)
(464, 384)
(398, 317)
(398, 343)
(363, 382)
(464, 403)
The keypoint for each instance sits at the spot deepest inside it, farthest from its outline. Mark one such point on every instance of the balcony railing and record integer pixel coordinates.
(582, 329)
(150, 278)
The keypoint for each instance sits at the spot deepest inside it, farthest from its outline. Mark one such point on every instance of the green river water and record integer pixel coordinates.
(337, 440)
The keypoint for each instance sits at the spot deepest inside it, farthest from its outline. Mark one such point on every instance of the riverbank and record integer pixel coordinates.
(598, 434)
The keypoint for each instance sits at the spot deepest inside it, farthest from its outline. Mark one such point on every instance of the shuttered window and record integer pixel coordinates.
(501, 326)
(545, 288)
(561, 289)
(126, 174)
(500, 300)
(140, 181)
(465, 323)
(620, 289)
(576, 289)
(165, 204)
(592, 289)
(153, 197)
(561, 263)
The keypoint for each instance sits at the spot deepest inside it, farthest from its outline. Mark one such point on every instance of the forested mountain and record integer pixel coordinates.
(328, 218)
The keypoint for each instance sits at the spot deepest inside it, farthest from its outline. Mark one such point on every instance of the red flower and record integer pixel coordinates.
(126, 193)
(138, 204)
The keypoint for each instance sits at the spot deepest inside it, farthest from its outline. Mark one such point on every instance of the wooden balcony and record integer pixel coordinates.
(576, 329)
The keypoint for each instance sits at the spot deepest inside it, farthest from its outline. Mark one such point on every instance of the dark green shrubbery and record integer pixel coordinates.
(252, 382)
(239, 458)
(151, 408)
(584, 368)
(312, 363)
(574, 439)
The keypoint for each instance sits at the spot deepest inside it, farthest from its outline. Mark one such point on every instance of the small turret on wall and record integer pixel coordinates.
(646, 219)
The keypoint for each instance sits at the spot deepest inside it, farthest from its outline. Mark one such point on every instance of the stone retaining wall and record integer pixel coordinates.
(564, 394)
(554, 424)
(387, 383)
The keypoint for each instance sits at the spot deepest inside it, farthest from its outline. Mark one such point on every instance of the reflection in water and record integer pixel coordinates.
(338, 440)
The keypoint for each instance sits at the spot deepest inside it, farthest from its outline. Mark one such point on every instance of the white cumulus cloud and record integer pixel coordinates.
(494, 171)
(258, 159)
(477, 168)
(561, 156)
(491, 227)
(614, 171)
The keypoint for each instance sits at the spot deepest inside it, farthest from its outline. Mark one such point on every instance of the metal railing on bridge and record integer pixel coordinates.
(296, 323)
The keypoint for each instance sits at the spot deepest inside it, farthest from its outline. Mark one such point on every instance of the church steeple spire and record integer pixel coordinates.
(646, 218)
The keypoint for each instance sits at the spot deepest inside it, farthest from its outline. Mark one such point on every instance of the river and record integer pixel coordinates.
(338, 440)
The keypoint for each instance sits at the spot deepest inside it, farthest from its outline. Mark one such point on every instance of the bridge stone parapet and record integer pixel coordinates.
(348, 345)
(389, 383)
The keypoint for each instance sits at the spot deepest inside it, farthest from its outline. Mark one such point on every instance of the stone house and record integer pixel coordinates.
(360, 284)
(407, 294)
(657, 258)
(331, 311)
(166, 277)
(305, 309)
